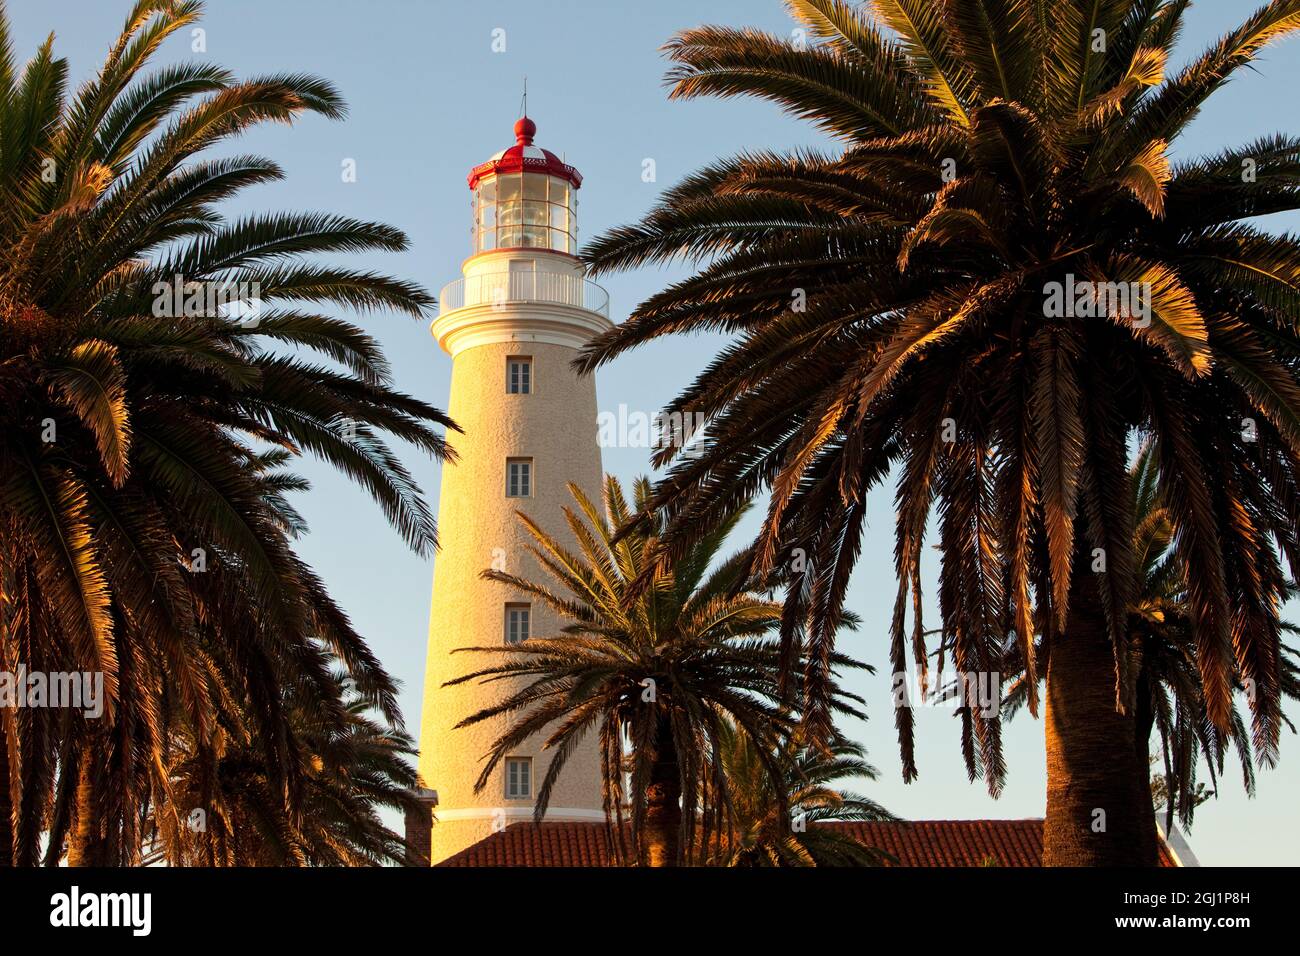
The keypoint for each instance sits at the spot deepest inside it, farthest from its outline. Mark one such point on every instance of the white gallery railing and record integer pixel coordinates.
(502, 287)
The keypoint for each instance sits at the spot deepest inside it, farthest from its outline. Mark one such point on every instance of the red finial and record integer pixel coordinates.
(525, 130)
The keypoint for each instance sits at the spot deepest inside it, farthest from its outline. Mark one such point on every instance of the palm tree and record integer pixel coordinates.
(1170, 696)
(350, 773)
(659, 656)
(898, 305)
(143, 416)
(1163, 799)
(782, 821)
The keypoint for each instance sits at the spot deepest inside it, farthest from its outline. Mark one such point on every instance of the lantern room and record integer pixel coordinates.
(525, 197)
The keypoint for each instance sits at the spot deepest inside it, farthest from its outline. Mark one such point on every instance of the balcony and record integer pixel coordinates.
(502, 288)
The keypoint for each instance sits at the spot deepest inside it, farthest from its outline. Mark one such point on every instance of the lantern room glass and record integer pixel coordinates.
(525, 211)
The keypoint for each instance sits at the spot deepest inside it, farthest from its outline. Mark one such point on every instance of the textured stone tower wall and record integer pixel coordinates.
(555, 425)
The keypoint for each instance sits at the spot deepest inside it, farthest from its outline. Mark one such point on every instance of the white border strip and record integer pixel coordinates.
(1177, 846)
(553, 814)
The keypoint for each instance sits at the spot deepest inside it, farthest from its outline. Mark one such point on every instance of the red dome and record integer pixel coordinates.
(525, 157)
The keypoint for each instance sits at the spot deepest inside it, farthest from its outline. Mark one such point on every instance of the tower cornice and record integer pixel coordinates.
(488, 323)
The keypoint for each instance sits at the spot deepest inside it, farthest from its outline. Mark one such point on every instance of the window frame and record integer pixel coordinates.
(529, 481)
(514, 607)
(525, 363)
(518, 761)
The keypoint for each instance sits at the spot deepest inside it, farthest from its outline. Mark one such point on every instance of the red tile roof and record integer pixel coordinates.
(913, 843)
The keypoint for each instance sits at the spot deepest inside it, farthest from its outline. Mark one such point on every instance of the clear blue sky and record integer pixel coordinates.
(429, 99)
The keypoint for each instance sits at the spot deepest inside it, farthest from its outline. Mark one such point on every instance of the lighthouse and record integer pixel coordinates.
(512, 324)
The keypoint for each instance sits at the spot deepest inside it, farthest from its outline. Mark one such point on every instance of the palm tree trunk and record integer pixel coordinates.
(84, 844)
(1094, 814)
(1144, 719)
(663, 802)
(6, 804)
(6, 799)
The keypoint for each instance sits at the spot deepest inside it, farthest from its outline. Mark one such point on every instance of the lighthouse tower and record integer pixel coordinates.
(512, 324)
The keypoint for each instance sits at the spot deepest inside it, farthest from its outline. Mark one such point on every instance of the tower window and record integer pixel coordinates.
(519, 477)
(519, 778)
(519, 375)
(518, 621)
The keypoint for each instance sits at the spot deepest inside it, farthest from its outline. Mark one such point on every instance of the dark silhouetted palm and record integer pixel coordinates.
(145, 531)
(1170, 698)
(782, 821)
(891, 302)
(349, 772)
(660, 656)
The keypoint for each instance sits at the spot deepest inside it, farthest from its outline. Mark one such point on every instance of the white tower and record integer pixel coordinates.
(512, 325)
